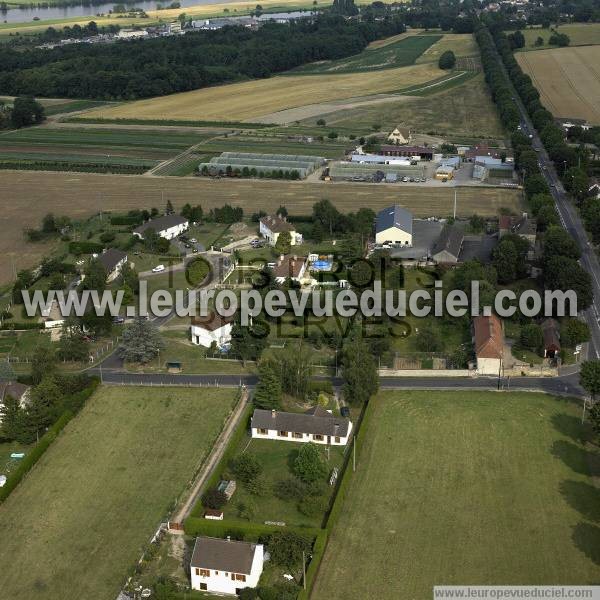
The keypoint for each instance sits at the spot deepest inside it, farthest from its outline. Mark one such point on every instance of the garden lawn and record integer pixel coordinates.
(78, 522)
(277, 458)
(477, 488)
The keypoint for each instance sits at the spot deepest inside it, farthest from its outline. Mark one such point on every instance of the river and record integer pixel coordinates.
(25, 15)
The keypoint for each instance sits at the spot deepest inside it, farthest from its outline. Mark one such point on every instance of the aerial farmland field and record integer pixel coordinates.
(97, 495)
(251, 99)
(25, 197)
(476, 488)
(568, 80)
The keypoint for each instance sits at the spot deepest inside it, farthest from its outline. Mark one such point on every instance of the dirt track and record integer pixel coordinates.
(25, 197)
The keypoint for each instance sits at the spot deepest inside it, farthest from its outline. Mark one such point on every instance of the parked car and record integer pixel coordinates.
(158, 268)
(194, 241)
(345, 411)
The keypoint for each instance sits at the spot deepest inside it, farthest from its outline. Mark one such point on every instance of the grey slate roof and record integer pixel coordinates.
(394, 216)
(161, 223)
(111, 258)
(315, 421)
(451, 241)
(12, 388)
(223, 555)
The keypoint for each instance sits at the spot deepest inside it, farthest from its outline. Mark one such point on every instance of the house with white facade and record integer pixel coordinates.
(394, 225)
(209, 329)
(113, 261)
(316, 425)
(168, 227)
(270, 228)
(225, 566)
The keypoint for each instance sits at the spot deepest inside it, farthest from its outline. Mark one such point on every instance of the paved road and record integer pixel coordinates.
(568, 384)
(571, 222)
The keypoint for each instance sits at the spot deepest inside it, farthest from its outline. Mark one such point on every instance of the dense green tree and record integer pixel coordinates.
(429, 337)
(283, 243)
(72, 345)
(359, 371)
(268, 390)
(573, 332)
(26, 111)
(447, 60)
(140, 342)
(43, 363)
(309, 466)
(11, 419)
(563, 273)
(246, 467)
(531, 337)
(589, 377)
(286, 548)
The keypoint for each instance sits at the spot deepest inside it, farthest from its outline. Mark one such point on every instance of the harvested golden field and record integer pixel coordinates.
(568, 80)
(26, 196)
(251, 99)
(462, 44)
(580, 34)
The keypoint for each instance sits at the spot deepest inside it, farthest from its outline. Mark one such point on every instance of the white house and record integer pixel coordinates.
(394, 226)
(315, 425)
(169, 226)
(113, 261)
(489, 344)
(225, 566)
(209, 329)
(270, 228)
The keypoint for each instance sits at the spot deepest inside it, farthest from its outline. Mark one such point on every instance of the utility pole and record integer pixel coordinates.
(454, 203)
(303, 569)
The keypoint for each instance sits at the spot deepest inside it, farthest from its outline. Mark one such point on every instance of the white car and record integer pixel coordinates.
(158, 269)
(193, 241)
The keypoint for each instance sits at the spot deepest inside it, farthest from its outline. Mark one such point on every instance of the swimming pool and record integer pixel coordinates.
(322, 265)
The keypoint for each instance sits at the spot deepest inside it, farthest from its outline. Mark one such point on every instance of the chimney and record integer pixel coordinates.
(280, 258)
(273, 413)
(295, 257)
(524, 215)
(228, 538)
(285, 219)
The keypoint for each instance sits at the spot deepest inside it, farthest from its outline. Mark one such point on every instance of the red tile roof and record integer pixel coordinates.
(489, 339)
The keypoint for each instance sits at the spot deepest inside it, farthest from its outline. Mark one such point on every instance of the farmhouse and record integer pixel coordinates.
(449, 245)
(489, 344)
(400, 136)
(225, 566)
(112, 260)
(270, 228)
(394, 226)
(290, 266)
(522, 226)
(315, 425)
(211, 329)
(168, 227)
(551, 338)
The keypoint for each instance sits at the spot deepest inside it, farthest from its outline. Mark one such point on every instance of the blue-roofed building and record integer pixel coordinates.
(394, 226)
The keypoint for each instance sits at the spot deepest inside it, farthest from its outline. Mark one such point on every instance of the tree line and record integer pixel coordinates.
(144, 68)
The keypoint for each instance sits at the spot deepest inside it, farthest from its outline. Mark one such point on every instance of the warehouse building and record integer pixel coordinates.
(394, 226)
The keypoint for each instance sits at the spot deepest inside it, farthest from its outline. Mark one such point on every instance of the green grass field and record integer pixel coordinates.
(580, 34)
(78, 522)
(455, 110)
(465, 488)
(402, 53)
